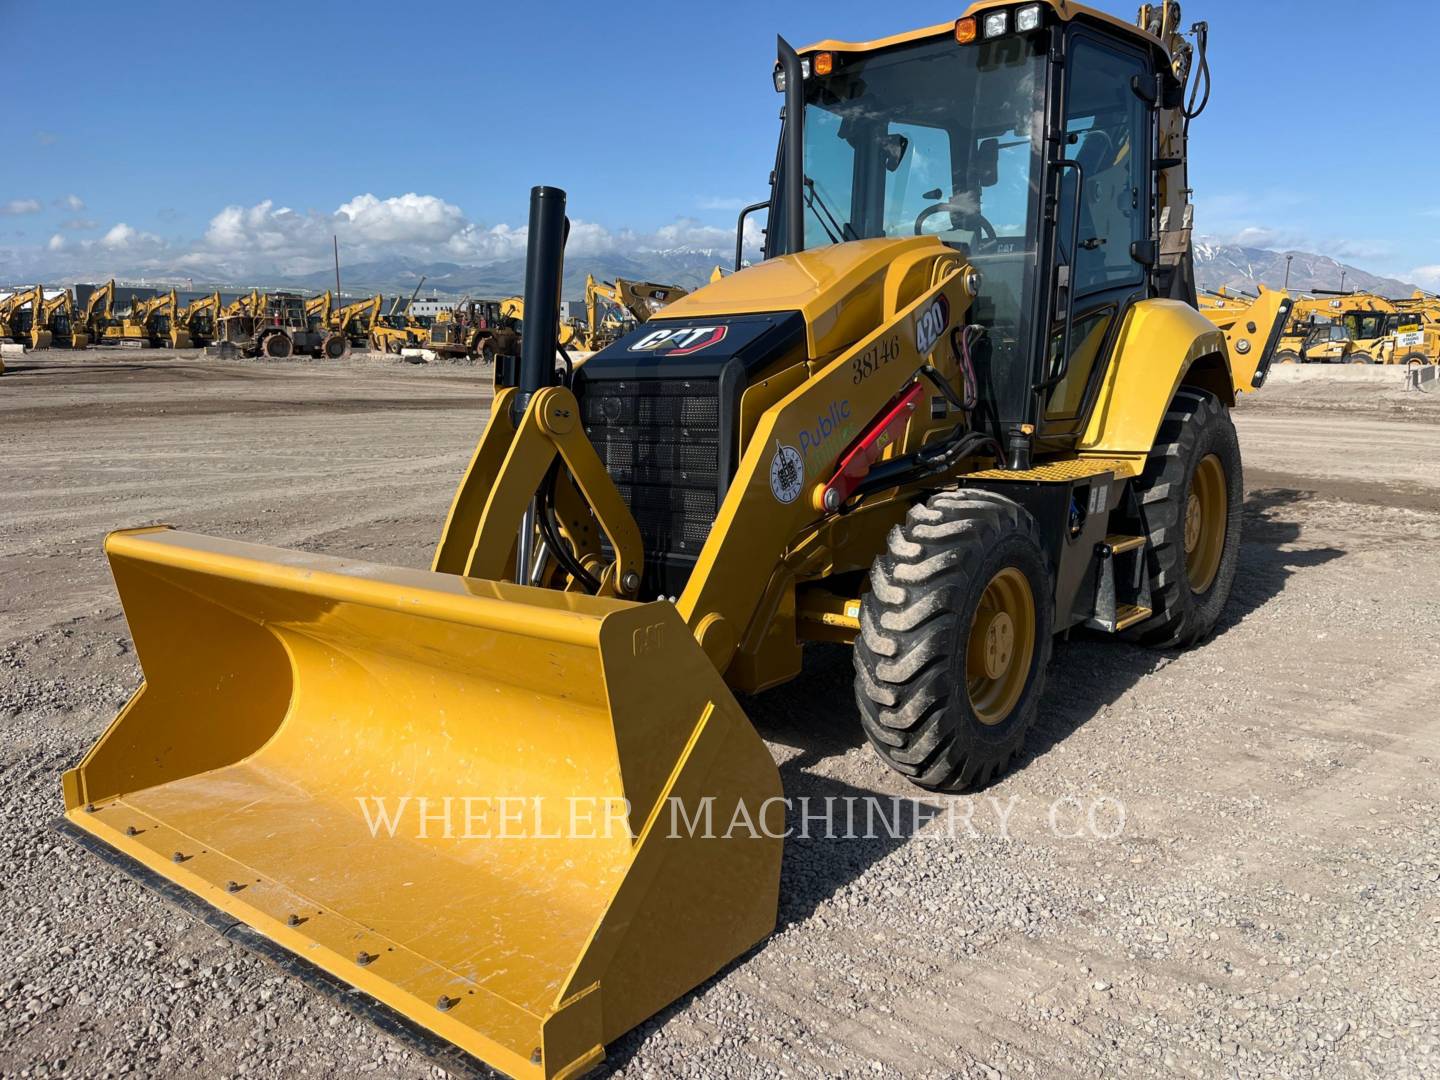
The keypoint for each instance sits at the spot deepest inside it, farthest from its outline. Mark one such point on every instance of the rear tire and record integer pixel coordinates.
(1286, 356)
(1191, 495)
(1360, 358)
(955, 636)
(335, 347)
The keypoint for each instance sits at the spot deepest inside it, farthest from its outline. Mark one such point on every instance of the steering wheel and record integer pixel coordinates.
(971, 218)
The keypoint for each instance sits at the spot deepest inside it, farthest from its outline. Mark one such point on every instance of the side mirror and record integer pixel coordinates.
(740, 229)
(987, 163)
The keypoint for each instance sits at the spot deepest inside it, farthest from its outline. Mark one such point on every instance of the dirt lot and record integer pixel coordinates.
(1267, 905)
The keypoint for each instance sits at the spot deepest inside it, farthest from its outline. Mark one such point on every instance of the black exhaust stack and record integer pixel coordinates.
(544, 266)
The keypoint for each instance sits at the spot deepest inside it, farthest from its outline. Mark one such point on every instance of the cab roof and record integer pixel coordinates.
(1062, 9)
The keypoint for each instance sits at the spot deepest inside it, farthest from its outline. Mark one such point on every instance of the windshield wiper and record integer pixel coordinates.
(834, 230)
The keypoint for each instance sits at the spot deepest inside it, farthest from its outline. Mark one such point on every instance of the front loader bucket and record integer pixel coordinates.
(506, 813)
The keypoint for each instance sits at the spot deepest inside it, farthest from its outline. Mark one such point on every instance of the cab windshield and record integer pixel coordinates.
(937, 138)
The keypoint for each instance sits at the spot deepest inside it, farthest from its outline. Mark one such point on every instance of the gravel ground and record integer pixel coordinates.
(1267, 905)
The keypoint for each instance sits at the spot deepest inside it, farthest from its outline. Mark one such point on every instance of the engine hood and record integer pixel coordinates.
(837, 289)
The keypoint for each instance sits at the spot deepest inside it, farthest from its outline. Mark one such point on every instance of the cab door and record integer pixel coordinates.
(1103, 215)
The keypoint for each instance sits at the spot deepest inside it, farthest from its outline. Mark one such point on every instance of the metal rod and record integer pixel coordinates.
(794, 147)
(336, 240)
(525, 545)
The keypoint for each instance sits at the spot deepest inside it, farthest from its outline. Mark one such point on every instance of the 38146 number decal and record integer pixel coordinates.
(874, 358)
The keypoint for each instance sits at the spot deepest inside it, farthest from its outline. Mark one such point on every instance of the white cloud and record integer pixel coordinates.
(73, 203)
(723, 202)
(1427, 277)
(248, 242)
(16, 207)
(119, 236)
(408, 218)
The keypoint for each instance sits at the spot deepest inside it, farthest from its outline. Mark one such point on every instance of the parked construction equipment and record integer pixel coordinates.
(965, 403)
(397, 330)
(613, 308)
(274, 325)
(66, 331)
(356, 320)
(1357, 328)
(22, 319)
(198, 319)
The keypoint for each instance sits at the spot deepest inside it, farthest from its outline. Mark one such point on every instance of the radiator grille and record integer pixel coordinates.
(660, 442)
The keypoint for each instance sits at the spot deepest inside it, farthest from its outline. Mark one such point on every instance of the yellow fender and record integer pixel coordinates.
(1166, 344)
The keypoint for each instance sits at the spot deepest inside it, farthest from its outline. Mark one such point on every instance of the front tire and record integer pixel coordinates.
(1191, 497)
(955, 636)
(1360, 358)
(1286, 356)
(276, 347)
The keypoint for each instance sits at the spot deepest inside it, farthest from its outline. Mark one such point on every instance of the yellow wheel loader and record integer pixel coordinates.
(964, 403)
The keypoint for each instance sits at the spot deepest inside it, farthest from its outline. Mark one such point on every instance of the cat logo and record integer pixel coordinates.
(680, 341)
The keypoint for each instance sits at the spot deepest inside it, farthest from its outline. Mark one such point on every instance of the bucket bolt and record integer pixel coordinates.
(233, 886)
(178, 857)
(365, 959)
(294, 920)
(445, 1004)
(535, 1056)
(131, 830)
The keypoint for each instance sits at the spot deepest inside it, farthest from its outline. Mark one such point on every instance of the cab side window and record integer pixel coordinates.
(1109, 131)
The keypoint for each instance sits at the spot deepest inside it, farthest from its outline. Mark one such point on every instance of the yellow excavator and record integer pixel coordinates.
(67, 331)
(99, 312)
(198, 319)
(964, 403)
(22, 319)
(150, 322)
(610, 308)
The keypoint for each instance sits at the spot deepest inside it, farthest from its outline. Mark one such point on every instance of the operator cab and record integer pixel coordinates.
(944, 134)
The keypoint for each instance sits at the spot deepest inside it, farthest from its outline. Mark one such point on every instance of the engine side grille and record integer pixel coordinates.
(659, 440)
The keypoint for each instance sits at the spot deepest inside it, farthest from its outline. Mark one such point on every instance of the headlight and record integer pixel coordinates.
(780, 74)
(1027, 18)
(996, 23)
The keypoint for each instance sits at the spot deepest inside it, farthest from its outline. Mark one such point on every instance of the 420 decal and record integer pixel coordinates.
(874, 358)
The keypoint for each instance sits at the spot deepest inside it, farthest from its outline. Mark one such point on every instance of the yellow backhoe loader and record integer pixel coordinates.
(1355, 328)
(964, 403)
(23, 317)
(397, 330)
(356, 320)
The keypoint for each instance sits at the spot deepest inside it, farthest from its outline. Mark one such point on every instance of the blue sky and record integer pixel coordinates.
(142, 143)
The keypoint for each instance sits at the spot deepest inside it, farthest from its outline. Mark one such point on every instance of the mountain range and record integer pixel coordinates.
(1230, 265)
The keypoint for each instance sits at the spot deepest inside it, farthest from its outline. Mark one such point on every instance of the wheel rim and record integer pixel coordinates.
(1001, 646)
(1206, 514)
